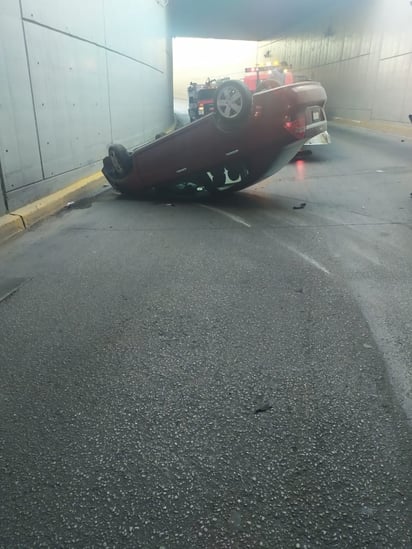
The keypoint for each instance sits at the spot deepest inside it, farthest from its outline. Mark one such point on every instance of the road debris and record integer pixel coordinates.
(264, 408)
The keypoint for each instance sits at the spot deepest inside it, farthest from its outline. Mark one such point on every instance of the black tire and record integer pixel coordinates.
(233, 102)
(121, 160)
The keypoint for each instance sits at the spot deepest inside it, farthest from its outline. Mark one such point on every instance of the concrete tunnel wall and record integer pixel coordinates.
(362, 56)
(76, 76)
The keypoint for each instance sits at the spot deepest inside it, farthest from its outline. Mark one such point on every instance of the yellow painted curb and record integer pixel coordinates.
(10, 225)
(393, 128)
(49, 205)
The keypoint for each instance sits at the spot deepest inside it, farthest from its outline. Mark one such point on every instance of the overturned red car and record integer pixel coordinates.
(246, 139)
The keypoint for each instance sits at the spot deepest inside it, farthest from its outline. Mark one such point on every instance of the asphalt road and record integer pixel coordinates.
(189, 373)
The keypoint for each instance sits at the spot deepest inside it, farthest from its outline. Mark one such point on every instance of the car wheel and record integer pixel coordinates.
(121, 160)
(232, 102)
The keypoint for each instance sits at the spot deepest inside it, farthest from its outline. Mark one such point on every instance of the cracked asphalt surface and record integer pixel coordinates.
(216, 375)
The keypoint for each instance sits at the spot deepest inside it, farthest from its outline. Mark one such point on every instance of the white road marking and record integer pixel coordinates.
(233, 217)
(307, 258)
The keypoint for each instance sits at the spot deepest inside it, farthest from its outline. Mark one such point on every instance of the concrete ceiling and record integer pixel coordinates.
(247, 19)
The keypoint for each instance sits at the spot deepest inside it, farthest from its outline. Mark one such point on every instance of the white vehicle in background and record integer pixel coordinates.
(321, 139)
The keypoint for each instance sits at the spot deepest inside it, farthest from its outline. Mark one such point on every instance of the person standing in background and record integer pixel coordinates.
(289, 75)
(284, 73)
(279, 73)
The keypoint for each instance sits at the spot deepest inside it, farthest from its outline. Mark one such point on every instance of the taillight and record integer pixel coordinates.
(296, 127)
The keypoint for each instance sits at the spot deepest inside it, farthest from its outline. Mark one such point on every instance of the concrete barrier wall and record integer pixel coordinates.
(362, 54)
(76, 76)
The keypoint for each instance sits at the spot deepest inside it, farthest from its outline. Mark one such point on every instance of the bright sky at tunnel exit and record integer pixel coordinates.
(196, 59)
